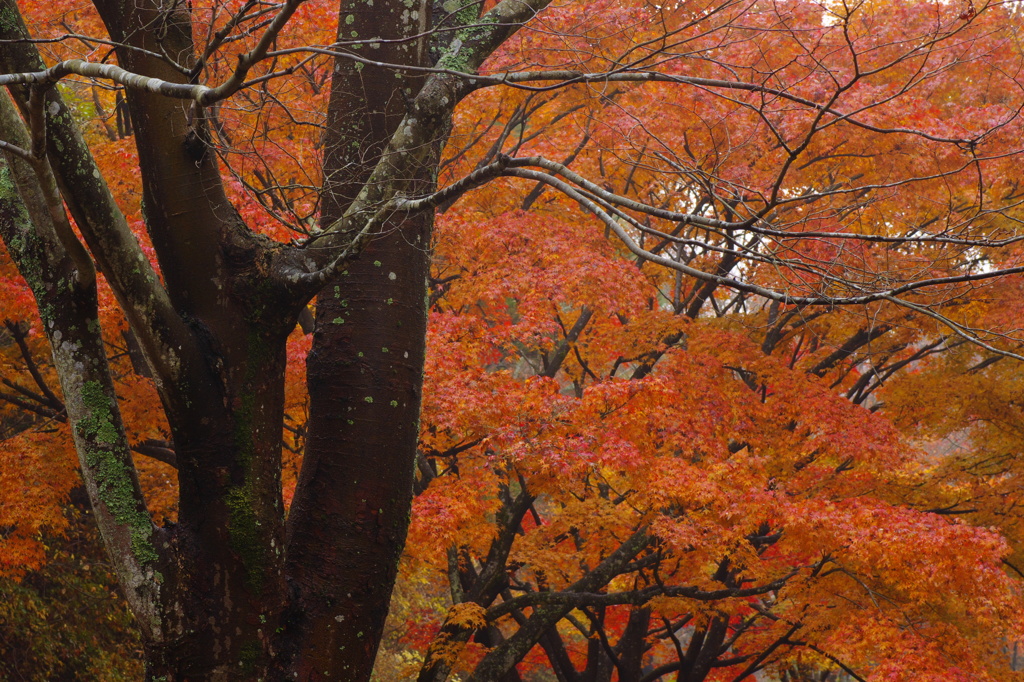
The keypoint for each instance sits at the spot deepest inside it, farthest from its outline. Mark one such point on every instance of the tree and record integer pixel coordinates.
(786, 524)
(778, 180)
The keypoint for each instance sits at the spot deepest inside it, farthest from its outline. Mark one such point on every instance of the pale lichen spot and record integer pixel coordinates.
(392, 276)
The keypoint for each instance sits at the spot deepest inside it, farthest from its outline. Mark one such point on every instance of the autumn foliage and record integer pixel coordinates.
(628, 471)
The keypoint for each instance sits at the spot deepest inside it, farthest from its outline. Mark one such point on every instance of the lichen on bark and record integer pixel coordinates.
(113, 478)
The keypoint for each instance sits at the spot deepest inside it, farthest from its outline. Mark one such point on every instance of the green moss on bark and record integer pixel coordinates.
(245, 534)
(112, 475)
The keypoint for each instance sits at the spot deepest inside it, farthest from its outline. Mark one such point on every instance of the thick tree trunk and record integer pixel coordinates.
(348, 524)
(230, 592)
(350, 513)
(224, 598)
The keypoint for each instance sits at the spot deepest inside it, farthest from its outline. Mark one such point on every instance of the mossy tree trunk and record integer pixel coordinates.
(235, 590)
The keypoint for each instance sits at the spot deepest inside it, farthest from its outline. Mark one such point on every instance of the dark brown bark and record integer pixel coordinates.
(350, 513)
(349, 517)
(215, 593)
(224, 592)
(632, 645)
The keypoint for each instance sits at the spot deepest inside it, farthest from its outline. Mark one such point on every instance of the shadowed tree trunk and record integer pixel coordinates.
(365, 369)
(234, 590)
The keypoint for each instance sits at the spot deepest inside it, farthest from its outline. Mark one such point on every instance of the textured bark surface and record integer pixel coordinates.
(351, 507)
(351, 510)
(233, 591)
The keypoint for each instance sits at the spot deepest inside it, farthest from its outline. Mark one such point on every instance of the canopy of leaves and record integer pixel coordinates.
(656, 473)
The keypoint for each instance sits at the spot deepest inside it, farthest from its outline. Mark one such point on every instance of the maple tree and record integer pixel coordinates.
(635, 451)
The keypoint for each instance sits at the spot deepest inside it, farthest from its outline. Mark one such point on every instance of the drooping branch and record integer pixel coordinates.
(754, 223)
(605, 214)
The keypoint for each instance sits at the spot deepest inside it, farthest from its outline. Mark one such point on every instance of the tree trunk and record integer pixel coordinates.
(351, 508)
(352, 504)
(230, 591)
